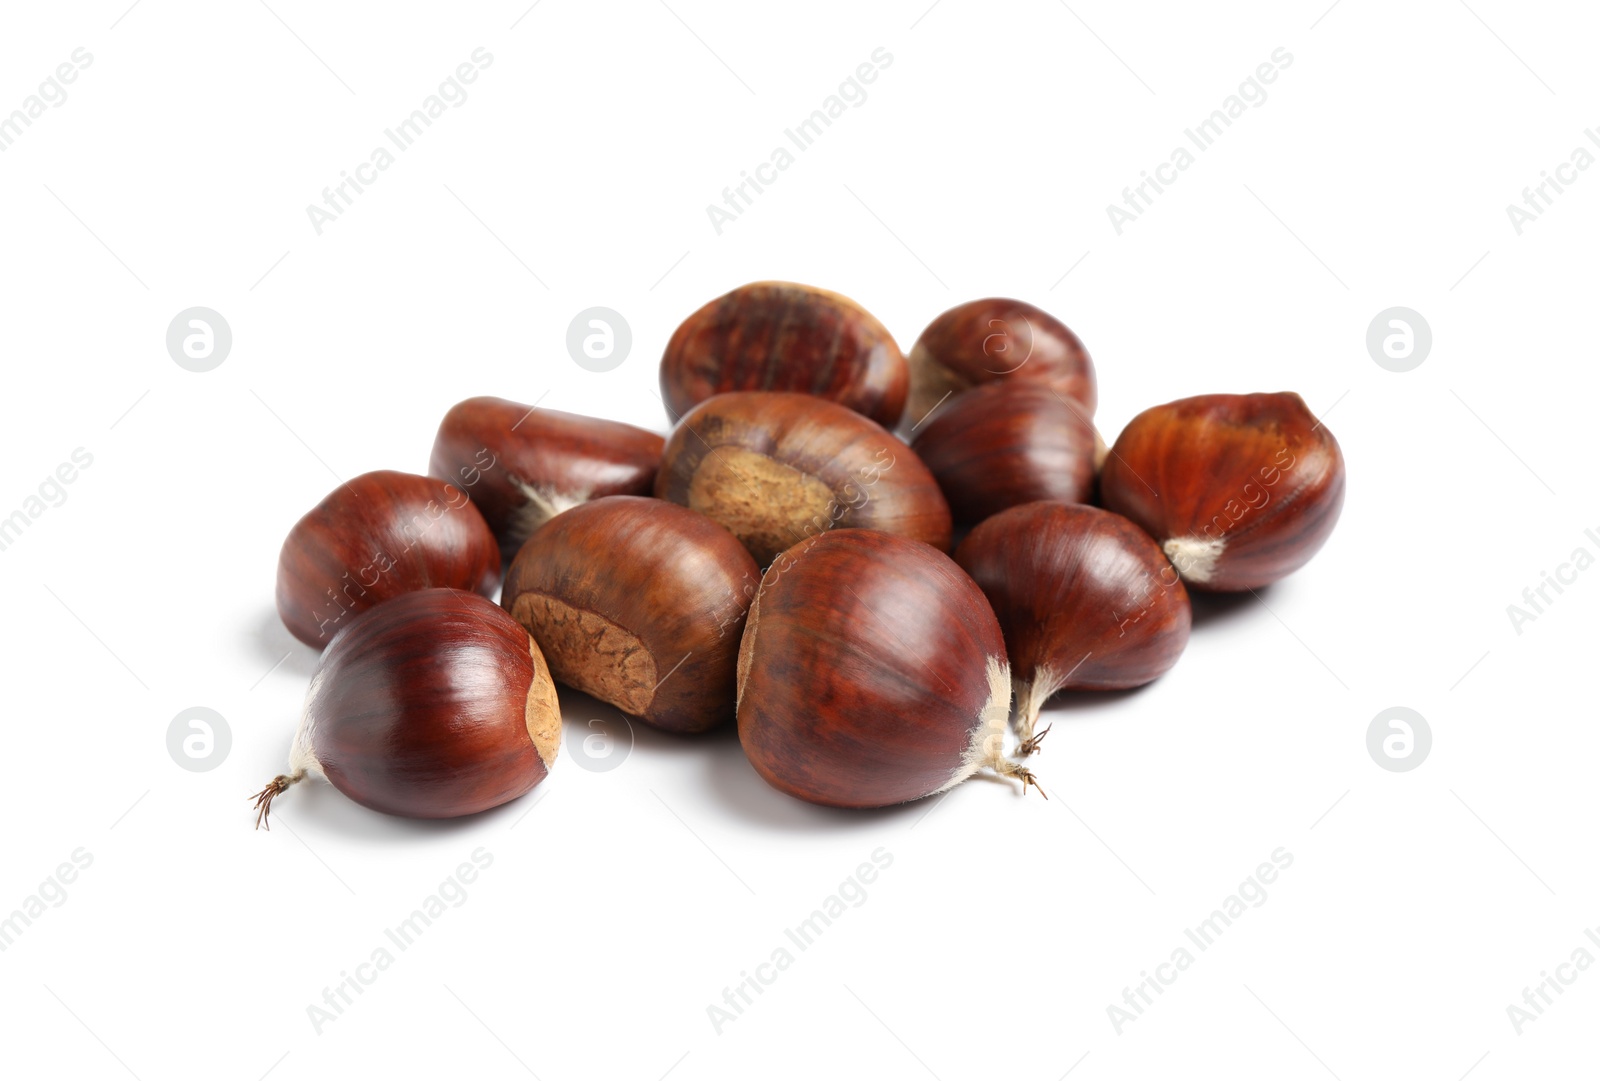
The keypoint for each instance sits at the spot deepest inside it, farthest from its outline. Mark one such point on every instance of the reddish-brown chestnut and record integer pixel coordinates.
(985, 340)
(433, 705)
(376, 537)
(639, 603)
(1006, 443)
(872, 672)
(777, 468)
(1239, 489)
(522, 466)
(1085, 597)
(782, 336)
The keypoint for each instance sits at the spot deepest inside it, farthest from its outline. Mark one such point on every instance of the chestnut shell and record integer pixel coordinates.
(376, 537)
(429, 706)
(1006, 443)
(776, 468)
(992, 339)
(1079, 591)
(1239, 489)
(783, 336)
(867, 667)
(640, 603)
(521, 465)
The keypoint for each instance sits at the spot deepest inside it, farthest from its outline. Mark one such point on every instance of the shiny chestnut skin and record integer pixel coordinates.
(787, 337)
(1006, 443)
(435, 704)
(639, 603)
(997, 339)
(521, 465)
(374, 538)
(1086, 599)
(1239, 489)
(777, 468)
(872, 672)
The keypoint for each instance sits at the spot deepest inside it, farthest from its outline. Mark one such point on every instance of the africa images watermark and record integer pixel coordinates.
(852, 93)
(1539, 996)
(451, 94)
(52, 893)
(1542, 196)
(852, 893)
(1251, 893)
(451, 893)
(52, 93)
(1566, 574)
(51, 493)
(1252, 94)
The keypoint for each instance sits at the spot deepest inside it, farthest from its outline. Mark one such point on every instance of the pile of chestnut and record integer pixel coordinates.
(784, 561)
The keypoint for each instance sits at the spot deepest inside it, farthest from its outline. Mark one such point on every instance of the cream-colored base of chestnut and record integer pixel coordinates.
(1195, 558)
(987, 748)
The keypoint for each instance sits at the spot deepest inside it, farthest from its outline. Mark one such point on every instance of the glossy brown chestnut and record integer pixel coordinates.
(777, 468)
(639, 603)
(376, 537)
(435, 704)
(782, 336)
(1006, 443)
(872, 672)
(1085, 597)
(1239, 489)
(986, 340)
(522, 466)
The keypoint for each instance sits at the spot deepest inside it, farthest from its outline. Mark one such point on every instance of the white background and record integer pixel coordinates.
(620, 904)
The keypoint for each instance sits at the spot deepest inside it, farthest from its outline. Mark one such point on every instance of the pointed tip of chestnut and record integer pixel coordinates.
(373, 538)
(992, 339)
(773, 335)
(1240, 490)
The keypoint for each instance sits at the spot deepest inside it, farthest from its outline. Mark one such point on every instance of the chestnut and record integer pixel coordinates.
(522, 465)
(1239, 489)
(1002, 444)
(376, 537)
(872, 672)
(432, 705)
(1085, 598)
(776, 468)
(639, 603)
(783, 336)
(986, 340)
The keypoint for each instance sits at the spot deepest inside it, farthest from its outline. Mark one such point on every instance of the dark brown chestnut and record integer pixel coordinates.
(872, 672)
(435, 704)
(1006, 443)
(1085, 598)
(376, 537)
(782, 336)
(1239, 489)
(522, 465)
(777, 468)
(639, 603)
(997, 338)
